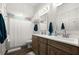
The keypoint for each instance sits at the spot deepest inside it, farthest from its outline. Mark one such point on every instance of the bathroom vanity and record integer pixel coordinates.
(54, 45)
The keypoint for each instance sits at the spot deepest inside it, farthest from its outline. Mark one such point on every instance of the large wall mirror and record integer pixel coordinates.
(43, 24)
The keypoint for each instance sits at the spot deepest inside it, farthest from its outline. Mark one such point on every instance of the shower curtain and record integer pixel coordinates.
(20, 32)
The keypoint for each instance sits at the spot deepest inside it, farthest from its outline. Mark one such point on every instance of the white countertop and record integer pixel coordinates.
(71, 41)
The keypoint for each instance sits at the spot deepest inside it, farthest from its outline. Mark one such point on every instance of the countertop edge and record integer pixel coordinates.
(63, 41)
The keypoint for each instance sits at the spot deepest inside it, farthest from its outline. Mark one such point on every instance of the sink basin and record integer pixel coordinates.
(69, 39)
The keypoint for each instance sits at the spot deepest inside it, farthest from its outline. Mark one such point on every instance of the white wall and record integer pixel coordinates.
(0, 5)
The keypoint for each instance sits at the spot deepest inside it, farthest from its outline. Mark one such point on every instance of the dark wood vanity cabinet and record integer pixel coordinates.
(44, 46)
(35, 44)
(39, 45)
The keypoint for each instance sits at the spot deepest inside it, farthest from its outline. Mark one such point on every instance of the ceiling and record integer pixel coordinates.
(27, 9)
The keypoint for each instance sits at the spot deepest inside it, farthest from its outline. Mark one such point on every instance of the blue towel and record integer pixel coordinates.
(50, 28)
(36, 27)
(62, 26)
(3, 34)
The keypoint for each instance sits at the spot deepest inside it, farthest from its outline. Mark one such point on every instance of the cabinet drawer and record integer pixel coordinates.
(34, 37)
(65, 47)
(43, 40)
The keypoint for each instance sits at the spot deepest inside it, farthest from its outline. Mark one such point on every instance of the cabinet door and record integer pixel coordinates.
(51, 50)
(61, 52)
(42, 49)
(55, 51)
(35, 45)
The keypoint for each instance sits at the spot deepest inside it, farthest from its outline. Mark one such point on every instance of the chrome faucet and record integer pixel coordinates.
(65, 34)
